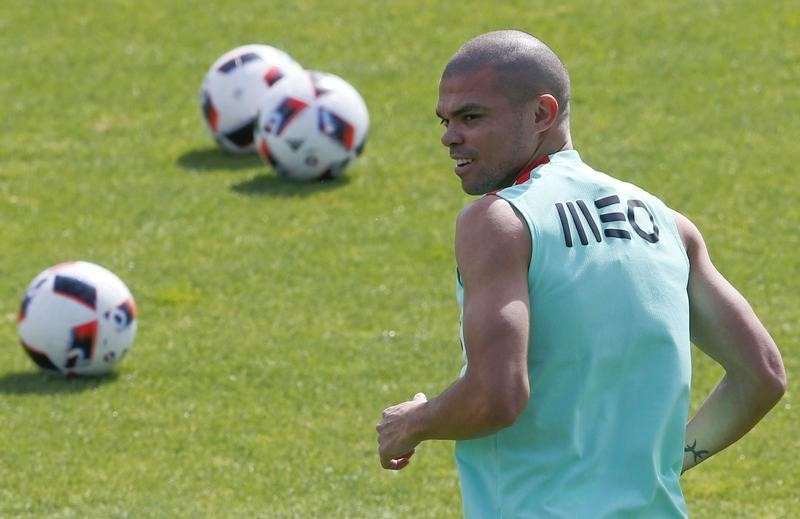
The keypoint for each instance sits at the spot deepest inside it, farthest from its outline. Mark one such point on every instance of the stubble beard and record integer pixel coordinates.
(505, 174)
(496, 179)
(484, 187)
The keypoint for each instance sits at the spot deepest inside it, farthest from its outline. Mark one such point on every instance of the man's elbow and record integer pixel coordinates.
(768, 384)
(504, 409)
(773, 378)
(774, 385)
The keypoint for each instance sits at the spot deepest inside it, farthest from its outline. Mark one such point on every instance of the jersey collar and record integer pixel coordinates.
(528, 169)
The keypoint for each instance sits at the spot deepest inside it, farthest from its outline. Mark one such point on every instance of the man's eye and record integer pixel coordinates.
(443, 122)
(471, 117)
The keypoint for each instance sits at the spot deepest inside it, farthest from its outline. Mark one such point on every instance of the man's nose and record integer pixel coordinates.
(452, 136)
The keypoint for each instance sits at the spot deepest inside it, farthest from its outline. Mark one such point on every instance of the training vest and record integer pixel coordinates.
(608, 357)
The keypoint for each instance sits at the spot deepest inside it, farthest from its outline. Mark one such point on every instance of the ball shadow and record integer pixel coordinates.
(211, 159)
(272, 185)
(41, 383)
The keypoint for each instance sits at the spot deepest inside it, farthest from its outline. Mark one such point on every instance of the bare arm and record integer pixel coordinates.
(493, 252)
(724, 326)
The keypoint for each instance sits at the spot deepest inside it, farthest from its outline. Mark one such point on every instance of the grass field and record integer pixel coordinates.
(278, 320)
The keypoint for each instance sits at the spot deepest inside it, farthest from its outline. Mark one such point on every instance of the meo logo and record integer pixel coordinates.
(605, 218)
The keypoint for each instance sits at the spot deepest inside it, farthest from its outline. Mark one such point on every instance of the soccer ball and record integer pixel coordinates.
(233, 87)
(77, 319)
(313, 130)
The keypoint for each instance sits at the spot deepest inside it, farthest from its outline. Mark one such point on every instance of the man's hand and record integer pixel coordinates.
(395, 433)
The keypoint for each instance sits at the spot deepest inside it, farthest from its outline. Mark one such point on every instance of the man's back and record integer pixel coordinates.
(608, 358)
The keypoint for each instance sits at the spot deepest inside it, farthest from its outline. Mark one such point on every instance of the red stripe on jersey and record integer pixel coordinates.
(527, 170)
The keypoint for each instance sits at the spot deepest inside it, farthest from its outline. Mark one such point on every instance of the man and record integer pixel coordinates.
(579, 296)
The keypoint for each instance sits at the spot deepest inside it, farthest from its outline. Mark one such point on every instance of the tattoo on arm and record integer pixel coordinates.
(699, 455)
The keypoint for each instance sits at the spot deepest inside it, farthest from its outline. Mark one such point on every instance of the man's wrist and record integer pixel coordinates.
(418, 423)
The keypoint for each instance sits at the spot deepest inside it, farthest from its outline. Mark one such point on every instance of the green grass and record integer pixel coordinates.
(277, 320)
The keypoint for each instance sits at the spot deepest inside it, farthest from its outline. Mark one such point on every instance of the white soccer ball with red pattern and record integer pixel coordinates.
(313, 130)
(77, 319)
(232, 90)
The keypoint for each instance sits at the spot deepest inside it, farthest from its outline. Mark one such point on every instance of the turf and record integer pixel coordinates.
(278, 320)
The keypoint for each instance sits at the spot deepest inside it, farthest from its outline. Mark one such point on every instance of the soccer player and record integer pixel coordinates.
(579, 295)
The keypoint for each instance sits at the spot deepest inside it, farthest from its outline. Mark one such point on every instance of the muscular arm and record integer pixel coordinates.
(493, 252)
(724, 326)
(493, 249)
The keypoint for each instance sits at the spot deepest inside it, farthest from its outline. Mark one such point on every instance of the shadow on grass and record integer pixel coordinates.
(272, 185)
(210, 159)
(40, 383)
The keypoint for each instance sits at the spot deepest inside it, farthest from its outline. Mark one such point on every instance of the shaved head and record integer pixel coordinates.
(524, 66)
(504, 103)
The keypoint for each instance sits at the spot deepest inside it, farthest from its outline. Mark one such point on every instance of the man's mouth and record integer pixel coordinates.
(462, 164)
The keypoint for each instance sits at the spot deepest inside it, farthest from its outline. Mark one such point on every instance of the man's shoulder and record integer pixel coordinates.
(491, 223)
(490, 214)
(690, 235)
(491, 239)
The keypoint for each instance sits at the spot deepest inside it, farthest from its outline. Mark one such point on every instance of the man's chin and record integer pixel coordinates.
(473, 191)
(471, 188)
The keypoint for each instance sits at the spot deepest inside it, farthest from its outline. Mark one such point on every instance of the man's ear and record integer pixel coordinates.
(545, 112)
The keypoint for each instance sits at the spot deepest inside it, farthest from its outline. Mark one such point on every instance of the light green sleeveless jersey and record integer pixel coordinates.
(608, 357)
